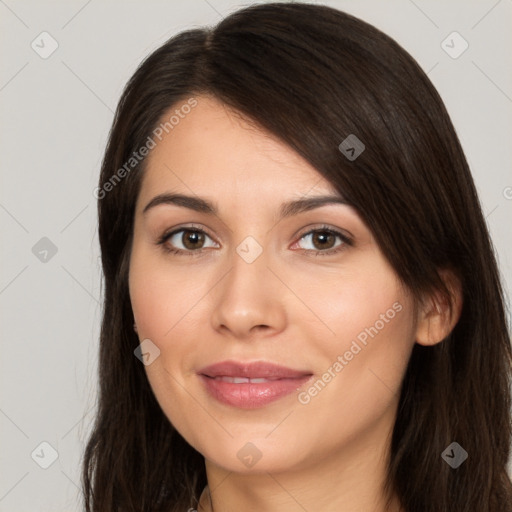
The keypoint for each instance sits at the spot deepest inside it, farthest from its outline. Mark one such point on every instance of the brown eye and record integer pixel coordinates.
(187, 241)
(323, 241)
(192, 239)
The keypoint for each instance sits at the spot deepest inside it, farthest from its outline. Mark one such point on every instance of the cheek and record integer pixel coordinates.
(358, 387)
(161, 300)
(365, 345)
(374, 326)
(353, 302)
(161, 296)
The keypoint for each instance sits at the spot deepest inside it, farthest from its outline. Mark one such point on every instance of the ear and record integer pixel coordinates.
(436, 320)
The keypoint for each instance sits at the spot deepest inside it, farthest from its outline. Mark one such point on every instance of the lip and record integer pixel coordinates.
(251, 385)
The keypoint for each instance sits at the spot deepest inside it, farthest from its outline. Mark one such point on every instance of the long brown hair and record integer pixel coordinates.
(313, 75)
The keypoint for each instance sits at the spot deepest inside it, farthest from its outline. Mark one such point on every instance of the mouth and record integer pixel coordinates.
(251, 385)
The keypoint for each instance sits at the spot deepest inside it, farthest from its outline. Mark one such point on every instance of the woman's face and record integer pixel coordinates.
(277, 337)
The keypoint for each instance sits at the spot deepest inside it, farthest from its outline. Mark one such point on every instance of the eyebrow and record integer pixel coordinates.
(204, 206)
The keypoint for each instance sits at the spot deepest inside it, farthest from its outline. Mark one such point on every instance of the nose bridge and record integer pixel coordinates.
(249, 273)
(250, 250)
(247, 296)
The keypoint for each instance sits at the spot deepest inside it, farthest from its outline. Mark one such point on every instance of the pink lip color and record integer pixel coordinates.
(279, 381)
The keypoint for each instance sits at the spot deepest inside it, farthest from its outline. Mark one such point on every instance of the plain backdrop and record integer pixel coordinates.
(56, 111)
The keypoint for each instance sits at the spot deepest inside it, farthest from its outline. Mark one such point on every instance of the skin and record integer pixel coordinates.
(290, 306)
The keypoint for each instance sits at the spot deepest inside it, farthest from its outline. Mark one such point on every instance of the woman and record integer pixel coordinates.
(302, 306)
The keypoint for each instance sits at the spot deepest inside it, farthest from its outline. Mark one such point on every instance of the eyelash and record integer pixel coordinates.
(347, 241)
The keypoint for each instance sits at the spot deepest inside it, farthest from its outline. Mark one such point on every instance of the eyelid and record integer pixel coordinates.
(346, 235)
(192, 227)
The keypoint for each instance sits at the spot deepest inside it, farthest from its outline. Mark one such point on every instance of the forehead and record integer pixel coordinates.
(214, 150)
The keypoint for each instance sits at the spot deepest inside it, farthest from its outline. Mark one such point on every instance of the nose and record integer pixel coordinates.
(249, 300)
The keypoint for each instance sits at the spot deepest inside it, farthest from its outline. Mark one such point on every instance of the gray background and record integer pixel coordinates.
(56, 113)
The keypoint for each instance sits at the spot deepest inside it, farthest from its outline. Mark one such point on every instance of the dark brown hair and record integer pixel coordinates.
(313, 75)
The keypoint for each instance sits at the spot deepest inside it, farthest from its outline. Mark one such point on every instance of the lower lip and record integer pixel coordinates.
(249, 395)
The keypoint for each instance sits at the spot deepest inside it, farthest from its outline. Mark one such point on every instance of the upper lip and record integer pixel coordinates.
(255, 370)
